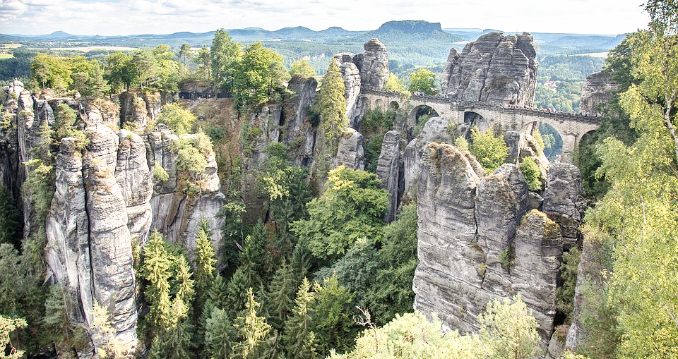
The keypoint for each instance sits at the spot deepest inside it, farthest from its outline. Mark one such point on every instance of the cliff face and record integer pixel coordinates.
(483, 237)
(497, 69)
(596, 91)
(105, 200)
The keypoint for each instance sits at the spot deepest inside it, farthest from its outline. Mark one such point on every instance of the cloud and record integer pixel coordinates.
(113, 17)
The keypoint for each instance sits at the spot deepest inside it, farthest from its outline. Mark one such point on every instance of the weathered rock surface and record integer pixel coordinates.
(176, 214)
(596, 91)
(350, 152)
(497, 69)
(136, 184)
(388, 170)
(564, 200)
(477, 244)
(374, 65)
(300, 135)
(352, 84)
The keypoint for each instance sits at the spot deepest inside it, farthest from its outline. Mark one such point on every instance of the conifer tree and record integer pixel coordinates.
(219, 334)
(155, 270)
(333, 104)
(252, 329)
(300, 339)
(332, 320)
(280, 296)
(204, 266)
(237, 290)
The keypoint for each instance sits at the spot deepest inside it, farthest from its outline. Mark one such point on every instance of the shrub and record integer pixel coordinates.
(159, 172)
(532, 174)
(489, 150)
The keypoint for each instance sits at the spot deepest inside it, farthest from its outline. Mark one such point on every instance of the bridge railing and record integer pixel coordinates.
(469, 105)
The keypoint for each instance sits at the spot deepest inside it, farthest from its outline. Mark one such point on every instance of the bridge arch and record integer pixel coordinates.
(418, 112)
(379, 105)
(394, 105)
(474, 119)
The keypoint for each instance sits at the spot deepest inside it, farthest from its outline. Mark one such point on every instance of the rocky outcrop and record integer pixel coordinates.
(89, 248)
(596, 91)
(374, 65)
(388, 170)
(136, 184)
(564, 200)
(133, 110)
(175, 213)
(497, 69)
(350, 152)
(476, 243)
(299, 134)
(352, 84)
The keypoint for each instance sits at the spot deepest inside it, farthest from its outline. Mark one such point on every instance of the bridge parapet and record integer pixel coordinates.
(467, 105)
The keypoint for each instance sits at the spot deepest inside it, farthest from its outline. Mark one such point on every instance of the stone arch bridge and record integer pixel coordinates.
(571, 127)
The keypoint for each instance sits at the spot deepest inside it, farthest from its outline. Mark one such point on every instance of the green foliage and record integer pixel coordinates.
(259, 74)
(219, 334)
(489, 150)
(299, 336)
(391, 292)
(352, 207)
(332, 321)
(224, 57)
(373, 127)
(66, 333)
(509, 329)
(393, 83)
(568, 273)
(423, 81)
(302, 68)
(50, 71)
(159, 172)
(179, 119)
(461, 143)
(11, 220)
(532, 173)
(332, 104)
(120, 70)
(279, 297)
(169, 292)
(7, 326)
(204, 264)
(251, 328)
(637, 214)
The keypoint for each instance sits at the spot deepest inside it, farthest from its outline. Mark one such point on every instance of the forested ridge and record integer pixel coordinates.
(312, 269)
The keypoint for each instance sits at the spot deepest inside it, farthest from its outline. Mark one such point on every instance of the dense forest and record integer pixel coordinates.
(316, 271)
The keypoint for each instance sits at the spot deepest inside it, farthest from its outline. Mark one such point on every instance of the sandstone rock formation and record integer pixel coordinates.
(105, 199)
(497, 69)
(596, 91)
(352, 83)
(477, 244)
(350, 152)
(374, 65)
(564, 200)
(388, 170)
(300, 135)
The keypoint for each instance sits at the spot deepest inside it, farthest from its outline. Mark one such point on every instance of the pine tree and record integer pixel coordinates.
(251, 329)
(280, 296)
(155, 270)
(298, 335)
(333, 104)
(204, 263)
(237, 290)
(332, 320)
(219, 334)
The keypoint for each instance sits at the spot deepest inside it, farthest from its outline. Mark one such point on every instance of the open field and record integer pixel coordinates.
(6, 56)
(10, 46)
(91, 48)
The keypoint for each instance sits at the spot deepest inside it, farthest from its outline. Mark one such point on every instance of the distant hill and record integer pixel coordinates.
(410, 31)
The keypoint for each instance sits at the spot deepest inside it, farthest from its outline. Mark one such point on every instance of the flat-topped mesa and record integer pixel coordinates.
(497, 69)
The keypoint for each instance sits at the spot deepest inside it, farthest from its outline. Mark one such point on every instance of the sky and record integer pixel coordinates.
(125, 17)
